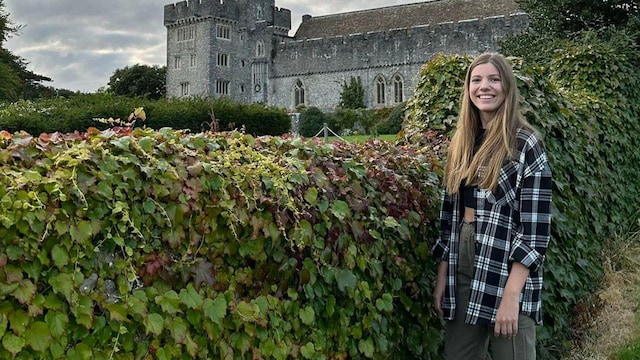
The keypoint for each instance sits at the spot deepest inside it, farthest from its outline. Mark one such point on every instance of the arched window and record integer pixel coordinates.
(380, 90)
(398, 89)
(298, 93)
(259, 13)
(260, 48)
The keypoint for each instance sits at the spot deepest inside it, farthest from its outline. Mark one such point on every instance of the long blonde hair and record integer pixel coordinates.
(483, 168)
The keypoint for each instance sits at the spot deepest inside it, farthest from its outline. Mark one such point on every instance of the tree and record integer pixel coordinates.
(569, 16)
(139, 80)
(14, 76)
(352, 96)
(553, 22)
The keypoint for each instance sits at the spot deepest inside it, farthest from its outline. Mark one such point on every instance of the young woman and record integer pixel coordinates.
(495, 221)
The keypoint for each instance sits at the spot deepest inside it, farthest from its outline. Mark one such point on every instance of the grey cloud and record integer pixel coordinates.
(80, 43)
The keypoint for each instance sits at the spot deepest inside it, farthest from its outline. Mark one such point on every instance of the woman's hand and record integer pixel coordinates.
(509, 309)
(438, 292)
(507, 316)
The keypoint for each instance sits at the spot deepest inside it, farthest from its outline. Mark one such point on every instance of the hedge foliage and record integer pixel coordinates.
(77, 113)
(586, 108)
(142, 244)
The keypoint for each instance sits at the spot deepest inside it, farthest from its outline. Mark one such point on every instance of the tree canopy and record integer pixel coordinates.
(15, 79)
(139, 80)
(569, 16)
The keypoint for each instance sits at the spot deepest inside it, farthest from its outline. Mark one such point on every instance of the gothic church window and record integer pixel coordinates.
(380, 90)
(223, 31)
(260, 48)
(298, 94)
(259, 13)
(259, 71)
(398, 89)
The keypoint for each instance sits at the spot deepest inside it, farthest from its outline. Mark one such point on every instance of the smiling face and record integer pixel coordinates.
(486, 91)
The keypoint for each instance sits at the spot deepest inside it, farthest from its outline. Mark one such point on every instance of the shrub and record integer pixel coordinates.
(78, 112)
(391, 123)
(159, 244)
(312, 120)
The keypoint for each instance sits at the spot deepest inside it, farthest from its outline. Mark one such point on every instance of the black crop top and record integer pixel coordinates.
(467, 191)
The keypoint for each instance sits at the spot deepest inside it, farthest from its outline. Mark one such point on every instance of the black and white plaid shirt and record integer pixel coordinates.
(512, 225)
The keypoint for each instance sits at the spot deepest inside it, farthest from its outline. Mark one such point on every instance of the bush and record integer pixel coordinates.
(312, 120)
(392, 122)
(142, 244)
(78, 112)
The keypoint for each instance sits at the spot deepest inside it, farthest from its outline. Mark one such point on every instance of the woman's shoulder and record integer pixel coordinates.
(528, 138)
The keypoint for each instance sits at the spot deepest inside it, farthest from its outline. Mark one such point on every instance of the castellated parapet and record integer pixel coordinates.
(264, 64)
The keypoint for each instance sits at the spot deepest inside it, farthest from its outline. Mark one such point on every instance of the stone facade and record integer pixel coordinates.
(241, 48)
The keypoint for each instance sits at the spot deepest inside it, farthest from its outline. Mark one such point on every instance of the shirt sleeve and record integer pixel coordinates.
(441, 248)
(533, 232)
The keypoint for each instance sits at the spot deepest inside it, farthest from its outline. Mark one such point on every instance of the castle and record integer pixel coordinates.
(241, 49)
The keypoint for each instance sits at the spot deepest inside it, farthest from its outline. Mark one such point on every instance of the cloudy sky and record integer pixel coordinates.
(80, 43)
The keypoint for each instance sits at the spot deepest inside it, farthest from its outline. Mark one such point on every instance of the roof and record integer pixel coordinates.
(402, 16)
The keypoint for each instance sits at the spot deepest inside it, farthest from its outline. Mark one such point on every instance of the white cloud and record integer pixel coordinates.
(79, 44)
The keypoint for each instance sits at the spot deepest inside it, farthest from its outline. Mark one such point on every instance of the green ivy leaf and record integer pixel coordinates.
(81, 231)
(178, 328)
(340, 209)
(154, 323)
(117, 312)
(26, 292)
(308, 350)
(60, 256)
(307, 315)
(385, 303)
(311, 196)
(13, 344)
(169, 301)
(366, 347)
(345, 279)
(191, 298)
(4, 321)
(57, 323)
(62, 284)
(83, 311)
(248, 312)
(38, 336)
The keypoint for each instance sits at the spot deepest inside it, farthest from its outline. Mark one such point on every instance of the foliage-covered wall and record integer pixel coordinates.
(586, 108)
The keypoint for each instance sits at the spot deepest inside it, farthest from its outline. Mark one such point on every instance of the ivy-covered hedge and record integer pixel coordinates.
(586, 107)
(142, 244)
(77, 113)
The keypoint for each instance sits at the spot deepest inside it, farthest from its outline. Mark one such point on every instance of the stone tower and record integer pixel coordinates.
(222, 48)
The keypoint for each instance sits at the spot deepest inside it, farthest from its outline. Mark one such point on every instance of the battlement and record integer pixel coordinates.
(499, 24)
(235, 10)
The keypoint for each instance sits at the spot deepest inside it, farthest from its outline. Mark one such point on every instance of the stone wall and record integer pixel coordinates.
(323, 64)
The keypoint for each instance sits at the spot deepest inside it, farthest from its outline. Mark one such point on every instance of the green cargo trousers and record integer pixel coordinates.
(469, 342)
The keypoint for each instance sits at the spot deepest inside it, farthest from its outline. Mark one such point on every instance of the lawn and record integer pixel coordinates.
(361, 138)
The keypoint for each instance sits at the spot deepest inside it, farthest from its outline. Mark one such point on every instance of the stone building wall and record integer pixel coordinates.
(322, 65)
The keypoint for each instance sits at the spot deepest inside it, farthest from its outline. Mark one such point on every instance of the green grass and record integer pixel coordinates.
(631, 352)
(362, 138)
